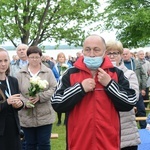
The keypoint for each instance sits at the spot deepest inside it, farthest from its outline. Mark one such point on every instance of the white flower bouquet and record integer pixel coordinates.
(36, 85)
(64, 67)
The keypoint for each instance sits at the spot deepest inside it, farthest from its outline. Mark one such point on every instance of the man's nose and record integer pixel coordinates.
(92, 53)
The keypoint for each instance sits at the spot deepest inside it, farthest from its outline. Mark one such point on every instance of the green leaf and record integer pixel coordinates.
(32, 22)
(131, 19)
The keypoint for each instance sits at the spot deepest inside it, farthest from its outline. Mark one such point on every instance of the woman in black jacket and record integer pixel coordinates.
(10, 103)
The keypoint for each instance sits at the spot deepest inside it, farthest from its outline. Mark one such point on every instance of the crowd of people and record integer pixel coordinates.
(97, 91)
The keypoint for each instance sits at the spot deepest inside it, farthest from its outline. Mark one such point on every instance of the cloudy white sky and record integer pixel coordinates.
(107, 35)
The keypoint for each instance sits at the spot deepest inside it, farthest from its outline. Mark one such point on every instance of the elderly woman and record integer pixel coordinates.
(38, 115)
(129, 131)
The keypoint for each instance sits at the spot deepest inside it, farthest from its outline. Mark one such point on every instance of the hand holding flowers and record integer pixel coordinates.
(29, 104)
(36, 86)
(32, 100)
(64, 67)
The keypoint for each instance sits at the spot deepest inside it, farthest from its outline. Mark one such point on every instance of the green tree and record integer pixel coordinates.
(35, 21)
(131, 20)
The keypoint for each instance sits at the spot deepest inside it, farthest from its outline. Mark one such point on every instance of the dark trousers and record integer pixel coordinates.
(38, 138)
(23, 142)
(59, 118)
(141, 111)
(146, 97)
(130, 148)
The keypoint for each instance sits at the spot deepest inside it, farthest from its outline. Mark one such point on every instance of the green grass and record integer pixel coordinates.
(60, 142)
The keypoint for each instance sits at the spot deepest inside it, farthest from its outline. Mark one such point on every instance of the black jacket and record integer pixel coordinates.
(4, 106)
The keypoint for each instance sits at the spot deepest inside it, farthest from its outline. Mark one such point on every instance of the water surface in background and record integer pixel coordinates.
(52, 53)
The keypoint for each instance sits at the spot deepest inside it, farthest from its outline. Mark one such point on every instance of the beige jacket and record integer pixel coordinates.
(42, 113)
(129, 131)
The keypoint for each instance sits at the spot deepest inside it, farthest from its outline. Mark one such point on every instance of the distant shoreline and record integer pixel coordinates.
(45, 47)
(52, 53)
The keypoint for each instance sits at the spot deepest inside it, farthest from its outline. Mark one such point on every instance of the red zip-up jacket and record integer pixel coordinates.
(93, 120)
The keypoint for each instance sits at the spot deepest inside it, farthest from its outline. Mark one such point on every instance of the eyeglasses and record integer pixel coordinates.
(34, 58)
(114, 54)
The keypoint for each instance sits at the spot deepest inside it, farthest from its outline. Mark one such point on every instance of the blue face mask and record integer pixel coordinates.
(93, 63)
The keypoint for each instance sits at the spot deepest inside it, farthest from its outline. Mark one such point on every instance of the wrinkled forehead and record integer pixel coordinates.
(22, 47)
(94, 41)
(140, 53)
(126, 52)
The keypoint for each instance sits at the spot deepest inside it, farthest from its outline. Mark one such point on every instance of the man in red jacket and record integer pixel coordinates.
(92, 92)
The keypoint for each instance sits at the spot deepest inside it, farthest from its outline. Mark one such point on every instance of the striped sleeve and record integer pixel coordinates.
(66, 96)
(123, 97)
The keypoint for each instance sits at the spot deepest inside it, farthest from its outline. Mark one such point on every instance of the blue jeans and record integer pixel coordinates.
(38, 138)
